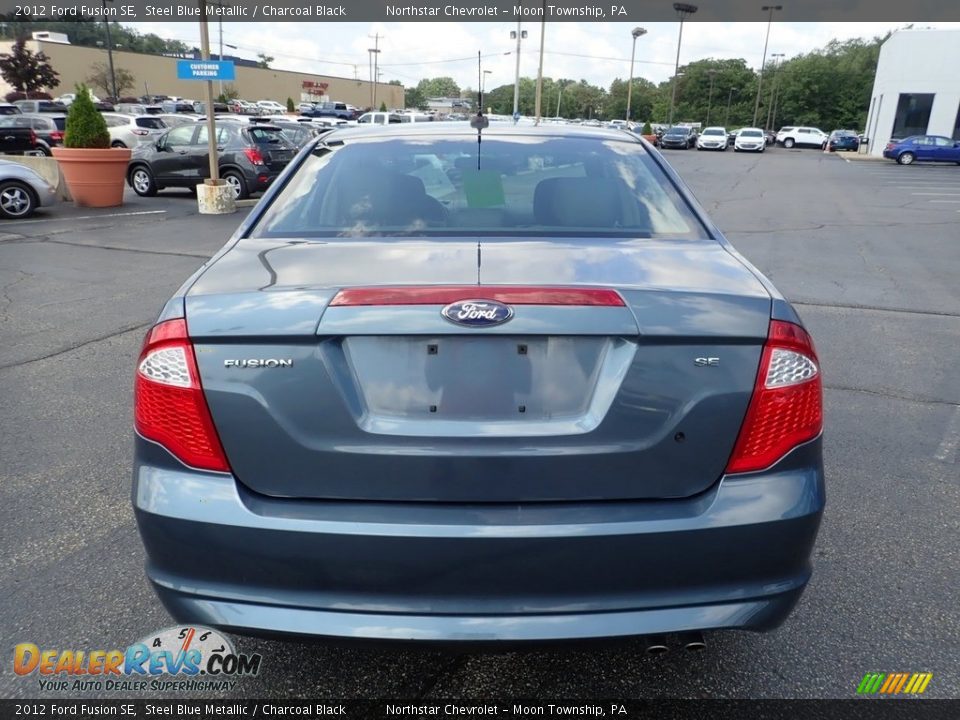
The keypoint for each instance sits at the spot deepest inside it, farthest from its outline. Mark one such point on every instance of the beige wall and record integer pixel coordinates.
(160, 75)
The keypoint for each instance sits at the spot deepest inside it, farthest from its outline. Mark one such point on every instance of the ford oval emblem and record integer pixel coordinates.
(477, 313)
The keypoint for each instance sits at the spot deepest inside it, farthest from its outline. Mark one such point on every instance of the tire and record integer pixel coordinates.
(906, 158)
(117, 144)
(43, 150)
(17, 200)
(789, 143)
(142, 182)
(240, 192)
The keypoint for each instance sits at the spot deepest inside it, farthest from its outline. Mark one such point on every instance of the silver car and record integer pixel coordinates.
(132, 130)
(22, 191)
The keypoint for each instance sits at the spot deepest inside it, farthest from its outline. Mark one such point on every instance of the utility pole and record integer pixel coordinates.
(211, 125)
(221, 49)
(376, 71)
(712, 72)
(767, 9)
(773, 88)
(543, 32)
(726, 120)
(113, 75)
(518, 35)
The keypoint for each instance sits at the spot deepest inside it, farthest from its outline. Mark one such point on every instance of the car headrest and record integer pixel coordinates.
(577, 202)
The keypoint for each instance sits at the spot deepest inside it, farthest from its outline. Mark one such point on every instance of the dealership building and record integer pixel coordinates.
(916, 91)
(157, 75)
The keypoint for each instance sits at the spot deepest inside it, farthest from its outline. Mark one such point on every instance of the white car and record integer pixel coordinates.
(132, 130)
(70, 97)
(712, 138)
(270, 107)
(750, 140)
(801, 136)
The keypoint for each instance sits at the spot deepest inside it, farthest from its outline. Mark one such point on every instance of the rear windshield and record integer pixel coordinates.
(518, 186)
(60, 122)
(267, 136)
(154, 123)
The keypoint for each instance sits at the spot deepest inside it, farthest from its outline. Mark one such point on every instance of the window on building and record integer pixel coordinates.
(913, 114)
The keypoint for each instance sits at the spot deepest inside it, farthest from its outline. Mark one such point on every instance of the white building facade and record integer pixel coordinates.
(916, 90)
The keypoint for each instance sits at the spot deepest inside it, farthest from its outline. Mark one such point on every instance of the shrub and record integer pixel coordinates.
(33, 95)
(647, 130)
(290, 105)
(86, 127)
(383, 106)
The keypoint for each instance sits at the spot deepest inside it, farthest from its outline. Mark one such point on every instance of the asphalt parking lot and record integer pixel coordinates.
(868, 251)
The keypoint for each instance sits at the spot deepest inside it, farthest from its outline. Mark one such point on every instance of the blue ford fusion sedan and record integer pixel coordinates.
(444, 385)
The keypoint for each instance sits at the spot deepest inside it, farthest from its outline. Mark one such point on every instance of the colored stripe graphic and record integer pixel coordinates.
(894, 683)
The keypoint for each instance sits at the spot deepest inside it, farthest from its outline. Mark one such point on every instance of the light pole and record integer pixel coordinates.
(773, 88)
(726, 121)
(636, 32)
(767, 9)
(712, 72)
(113, 76)
(543, 32)
(683, 10)
(517, 35)
(559, 95)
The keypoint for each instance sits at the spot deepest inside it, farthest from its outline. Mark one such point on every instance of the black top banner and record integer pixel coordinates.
(480, 10)
(306, 709)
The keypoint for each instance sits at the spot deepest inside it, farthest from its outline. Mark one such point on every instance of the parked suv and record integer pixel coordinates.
(40, 106)
(332, 109)
(131, 130)
(801, 136)
(250, 158)
(679, 136)
(49, 128)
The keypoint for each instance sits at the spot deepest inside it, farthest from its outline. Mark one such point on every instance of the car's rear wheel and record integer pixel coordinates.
(235, 180)
(142, 182)
(117, 144)
(906, 158)
(788, 143)
(16, 200)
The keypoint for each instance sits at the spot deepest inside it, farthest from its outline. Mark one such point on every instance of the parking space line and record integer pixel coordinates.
(944, 201)
(937, 193)
(947, 450)
(8, 223)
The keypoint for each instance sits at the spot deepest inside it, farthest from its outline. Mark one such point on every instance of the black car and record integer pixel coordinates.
(250, 158)
(49, 128)
(297, 133)
(679, 136)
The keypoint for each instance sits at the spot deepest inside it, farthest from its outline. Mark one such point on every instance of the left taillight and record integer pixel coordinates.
(786, 409)
(169, 405)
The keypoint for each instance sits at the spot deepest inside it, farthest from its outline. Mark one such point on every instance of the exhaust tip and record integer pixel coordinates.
(657, 645)
(694, 642)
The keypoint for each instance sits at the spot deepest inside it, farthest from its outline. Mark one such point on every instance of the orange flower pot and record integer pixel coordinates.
(95, 176)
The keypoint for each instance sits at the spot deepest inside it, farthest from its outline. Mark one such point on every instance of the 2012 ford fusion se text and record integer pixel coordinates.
(500, 387)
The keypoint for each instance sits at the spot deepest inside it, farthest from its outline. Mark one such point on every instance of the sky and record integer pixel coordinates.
(597, 52)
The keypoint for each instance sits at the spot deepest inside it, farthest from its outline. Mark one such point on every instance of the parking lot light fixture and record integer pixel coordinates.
(683, 10)
(113, 76)
(769, 10)
(712, 72)
(771, 119)
(636, 33)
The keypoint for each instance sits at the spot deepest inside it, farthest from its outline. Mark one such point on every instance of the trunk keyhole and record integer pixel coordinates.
(521, 350)
(432, 349)
(679, 437)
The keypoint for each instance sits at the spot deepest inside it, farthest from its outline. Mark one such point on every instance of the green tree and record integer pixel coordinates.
(264, 60)
(99, 78)
(290, 105)
(27, 71)
(413, 99)
(86, 127)
(230, 92)
(383, 106)
(645, 94)
(439, 87)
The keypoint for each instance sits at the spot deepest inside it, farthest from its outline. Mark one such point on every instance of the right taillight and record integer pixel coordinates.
(786, 409)
(169, 404)
(254, 156)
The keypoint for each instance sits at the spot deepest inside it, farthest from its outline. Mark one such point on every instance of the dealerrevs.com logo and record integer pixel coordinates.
(894, 683)
(184, 657)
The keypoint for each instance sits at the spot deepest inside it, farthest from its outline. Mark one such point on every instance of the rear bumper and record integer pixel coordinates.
(737, 556)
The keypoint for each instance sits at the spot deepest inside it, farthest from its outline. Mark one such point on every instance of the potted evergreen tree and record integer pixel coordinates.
(648, 134)
(94, 171)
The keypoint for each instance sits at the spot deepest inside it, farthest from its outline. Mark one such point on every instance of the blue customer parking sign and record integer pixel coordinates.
(205, 70)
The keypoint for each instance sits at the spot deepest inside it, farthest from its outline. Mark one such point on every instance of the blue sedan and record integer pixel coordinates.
(436, 390)
(917, 148)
